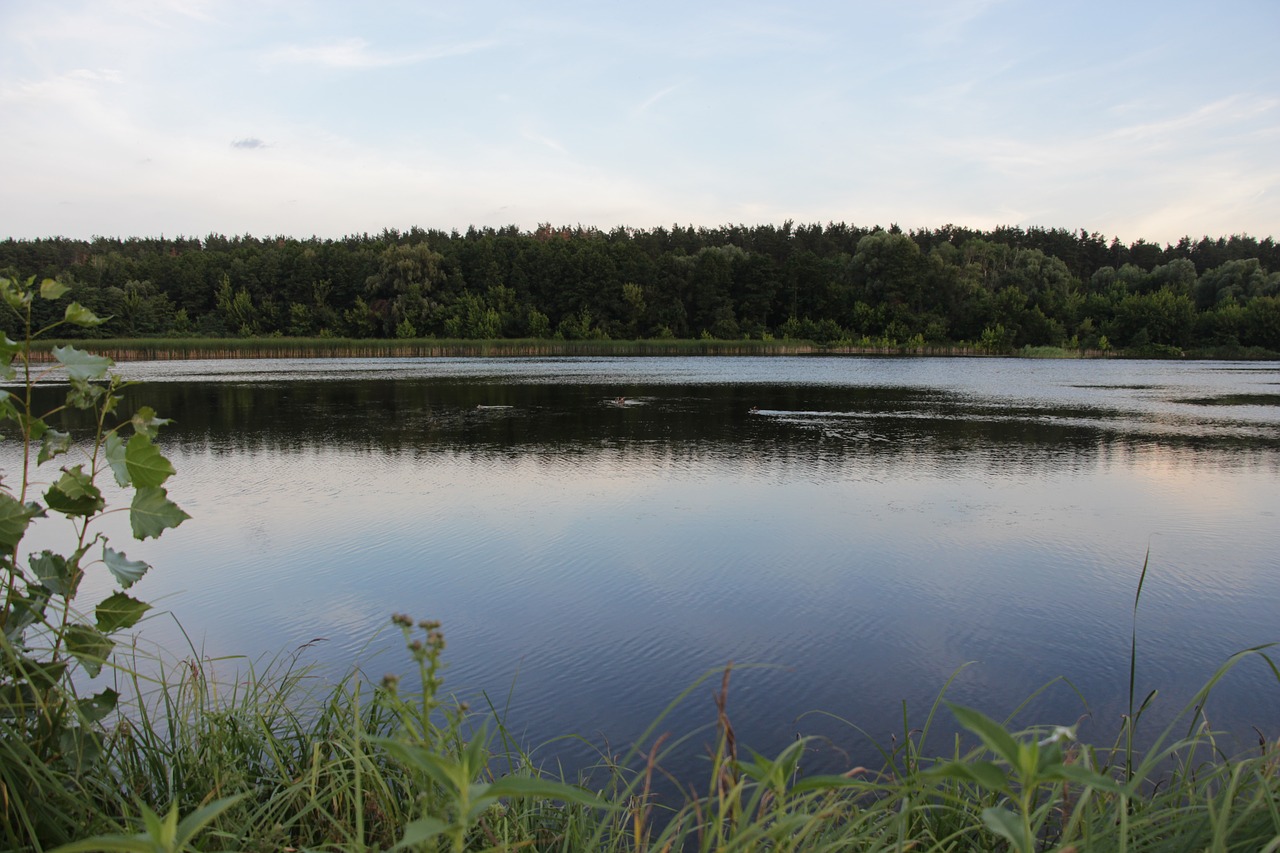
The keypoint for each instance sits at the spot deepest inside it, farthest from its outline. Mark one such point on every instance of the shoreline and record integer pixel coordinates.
(167, 349)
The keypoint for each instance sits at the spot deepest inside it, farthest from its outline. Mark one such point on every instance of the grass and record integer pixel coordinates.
(273, 758)
(1048, 352)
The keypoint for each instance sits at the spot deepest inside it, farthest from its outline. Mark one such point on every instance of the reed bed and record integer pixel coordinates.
(164, 349)
(129, 349)
(159, 349)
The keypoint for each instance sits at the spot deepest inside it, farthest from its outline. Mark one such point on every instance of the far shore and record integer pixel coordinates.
(162, 349)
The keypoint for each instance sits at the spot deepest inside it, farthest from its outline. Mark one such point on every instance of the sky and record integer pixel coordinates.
(144, 118)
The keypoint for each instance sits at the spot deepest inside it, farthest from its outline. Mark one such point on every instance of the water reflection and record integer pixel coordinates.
(836, 423)
(862, 527)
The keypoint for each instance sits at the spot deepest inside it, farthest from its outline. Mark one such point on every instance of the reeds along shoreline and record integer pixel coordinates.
(197, 348)
(165, 349)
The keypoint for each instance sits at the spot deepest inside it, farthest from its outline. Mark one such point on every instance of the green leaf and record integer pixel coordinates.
(992, 733)
(75, 483)
(25, 611)
(80, 364)
(14, 518)
(114, 451)
(521, 786)
(152, 513)
(161, 834)
(14, 293)
(78, 315)
(111, 844)
(127, 571)
(828, 782)
(442, 770)
(74, 494)
(99, 705)
(1085, 776)
(421, 831)
(84, 395)
(145, 421)
(480, 799)
(34, 427)
(147, 465)
(8, 349)
(984, 773)
(83, 743)
(201, 817)
(60, 575)
(1006, 824)
(53, 443)
(42, 675)
(90, 646)
(52, 289)
(118, 611)
(163, 830)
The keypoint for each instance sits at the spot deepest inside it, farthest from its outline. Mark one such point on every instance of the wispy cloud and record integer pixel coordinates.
(1228, 110)
(71, 85)
(648, 102)
(249, 142)
(357, 53)
(948, 23)
(541, 139)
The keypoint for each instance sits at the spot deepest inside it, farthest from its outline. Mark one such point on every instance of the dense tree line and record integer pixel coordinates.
(1000, 289)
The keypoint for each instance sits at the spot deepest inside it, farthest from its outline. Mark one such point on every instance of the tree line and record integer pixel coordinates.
(1000, 289)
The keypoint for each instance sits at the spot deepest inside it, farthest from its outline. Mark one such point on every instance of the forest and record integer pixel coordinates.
(997, 291)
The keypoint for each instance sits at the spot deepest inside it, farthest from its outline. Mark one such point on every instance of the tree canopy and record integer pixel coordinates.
(1004, 288)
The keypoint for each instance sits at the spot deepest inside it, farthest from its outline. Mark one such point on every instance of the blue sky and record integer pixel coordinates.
(1136, 119)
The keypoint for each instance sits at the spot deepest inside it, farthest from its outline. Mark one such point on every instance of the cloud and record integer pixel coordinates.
(654, 98)
(249, 142)
(1214, 117)
(79, 84)
(542, 139)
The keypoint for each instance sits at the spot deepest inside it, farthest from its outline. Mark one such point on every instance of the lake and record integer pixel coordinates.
(849, 531)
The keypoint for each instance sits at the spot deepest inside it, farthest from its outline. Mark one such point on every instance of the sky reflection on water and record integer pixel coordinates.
(874, 525)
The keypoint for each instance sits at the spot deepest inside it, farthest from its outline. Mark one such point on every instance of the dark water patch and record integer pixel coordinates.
(1234, 400)
(1117, 387)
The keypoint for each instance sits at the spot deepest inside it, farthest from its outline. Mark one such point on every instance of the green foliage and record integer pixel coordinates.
(850, 283)
(996, 339)
(450, 773)
(160, 834)
(51, 739)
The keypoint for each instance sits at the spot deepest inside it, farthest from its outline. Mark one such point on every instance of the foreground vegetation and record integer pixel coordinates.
(186, 755)
(272, 760)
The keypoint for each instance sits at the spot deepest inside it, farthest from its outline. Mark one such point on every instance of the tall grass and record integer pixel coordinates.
(275, 758)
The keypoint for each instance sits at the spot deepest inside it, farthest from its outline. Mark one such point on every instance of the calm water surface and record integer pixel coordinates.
(862, 527)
